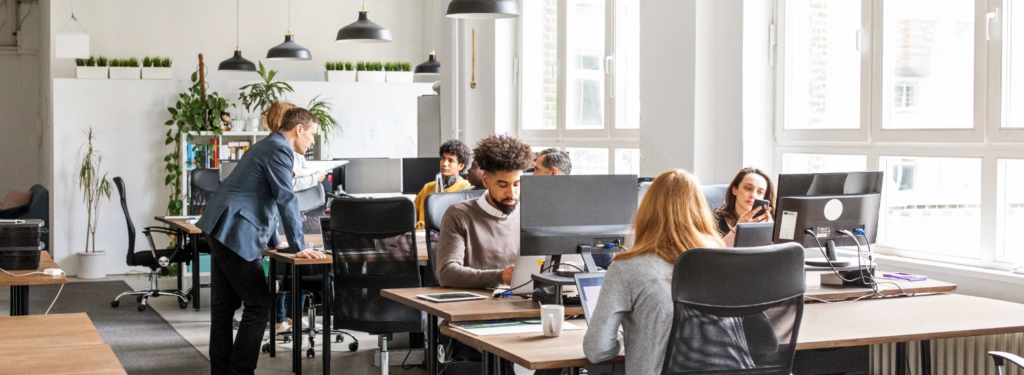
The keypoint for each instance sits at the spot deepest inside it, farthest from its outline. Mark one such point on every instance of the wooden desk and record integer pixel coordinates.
(19, 285)
(67, 359)
(421, 244)
(835, 325)
(192, 232)
(815, 291)
(289, 258)
(35, 331)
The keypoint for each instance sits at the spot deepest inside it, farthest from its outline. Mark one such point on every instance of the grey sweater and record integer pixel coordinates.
(636, 294)
(474, 246)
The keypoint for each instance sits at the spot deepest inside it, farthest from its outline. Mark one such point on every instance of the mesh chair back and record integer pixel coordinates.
(203, 183)
(737, 311)
(312, 205)
(374, 247)
(433, 212)
(119, 182)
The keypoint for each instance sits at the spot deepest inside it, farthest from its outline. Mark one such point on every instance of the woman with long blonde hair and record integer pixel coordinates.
(637, 292)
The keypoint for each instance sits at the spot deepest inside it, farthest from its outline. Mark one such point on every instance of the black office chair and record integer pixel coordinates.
(203, 183)
(434, 208)
(374, 246)
(1001, 357)
(737, 311)
(156, 260)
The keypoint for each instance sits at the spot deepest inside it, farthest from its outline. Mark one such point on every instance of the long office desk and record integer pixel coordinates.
(19, 284)
(192, 232)
(55, 344)
(886, 287)
(834, 325)
(294, 262)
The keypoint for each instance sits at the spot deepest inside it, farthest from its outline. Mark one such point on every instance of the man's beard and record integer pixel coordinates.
(504, 208)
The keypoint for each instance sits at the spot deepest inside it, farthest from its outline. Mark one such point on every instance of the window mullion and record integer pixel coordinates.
(563, 54)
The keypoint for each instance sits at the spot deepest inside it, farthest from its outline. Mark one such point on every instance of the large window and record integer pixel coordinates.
(579, 81)
(929, 92)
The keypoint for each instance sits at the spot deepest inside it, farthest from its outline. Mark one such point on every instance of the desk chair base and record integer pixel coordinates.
(312, 332)
(142, 296)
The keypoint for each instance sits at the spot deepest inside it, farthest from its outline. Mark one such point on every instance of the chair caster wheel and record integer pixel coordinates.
(138, 299)
(339, 338)
(142, 307)
(287, 339)
(310, 353)
(115, 303)
(353, 346)
(265, 348)
(183, 305)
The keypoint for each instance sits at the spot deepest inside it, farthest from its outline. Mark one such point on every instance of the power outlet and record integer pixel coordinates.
(398, 355)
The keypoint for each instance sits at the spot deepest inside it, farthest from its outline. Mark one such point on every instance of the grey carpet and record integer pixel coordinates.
(143, 341)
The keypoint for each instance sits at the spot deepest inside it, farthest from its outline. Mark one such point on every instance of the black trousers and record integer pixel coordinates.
(234, 282)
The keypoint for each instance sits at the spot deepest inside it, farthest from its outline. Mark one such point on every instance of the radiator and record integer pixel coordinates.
(960, 356)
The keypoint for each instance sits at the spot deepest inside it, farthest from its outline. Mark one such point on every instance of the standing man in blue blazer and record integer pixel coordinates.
(240, 220)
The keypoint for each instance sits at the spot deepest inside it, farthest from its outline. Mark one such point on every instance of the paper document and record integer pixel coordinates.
(181, 217)
(506, 327)
(787, 226)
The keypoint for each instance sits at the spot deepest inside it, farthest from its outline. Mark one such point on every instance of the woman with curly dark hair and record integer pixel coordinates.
(454, 158)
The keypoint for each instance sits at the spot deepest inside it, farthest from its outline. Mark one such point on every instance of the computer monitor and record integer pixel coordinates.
(826, 203)
(417, 172)
(564, 214)
(364, 176)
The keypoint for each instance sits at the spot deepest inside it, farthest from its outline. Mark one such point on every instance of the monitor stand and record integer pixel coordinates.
(830, 252)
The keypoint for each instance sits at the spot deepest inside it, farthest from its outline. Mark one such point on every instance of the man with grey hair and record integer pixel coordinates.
(552, 162)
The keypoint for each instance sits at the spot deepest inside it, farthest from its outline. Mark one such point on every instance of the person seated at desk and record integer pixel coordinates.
(454, 156)
(637, 290)
(552, 162)
(479, 240)
(475, 176)
(749, 184)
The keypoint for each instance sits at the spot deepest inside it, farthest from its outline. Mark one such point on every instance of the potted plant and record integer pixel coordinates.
(371, 72)
(339, 71)
(321, 108)
(95, 187)
(155, 68)
(399, 72)
(90, 69)
(259, 96)
(125, 68)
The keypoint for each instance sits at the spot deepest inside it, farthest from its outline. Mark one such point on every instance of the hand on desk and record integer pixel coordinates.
(310, 253)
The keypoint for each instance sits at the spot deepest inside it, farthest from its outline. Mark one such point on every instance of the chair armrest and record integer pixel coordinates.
(161, 230)
(998, 357)
(148, 231)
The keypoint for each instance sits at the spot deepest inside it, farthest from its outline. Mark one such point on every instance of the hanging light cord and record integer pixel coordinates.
(432, 15)
(289, 17)
(65, 23)
(237, 18)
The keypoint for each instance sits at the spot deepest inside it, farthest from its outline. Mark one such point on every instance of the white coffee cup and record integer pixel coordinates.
(551, 318)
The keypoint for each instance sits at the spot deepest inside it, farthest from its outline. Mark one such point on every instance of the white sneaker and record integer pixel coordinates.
(305, 324)
(285, 327)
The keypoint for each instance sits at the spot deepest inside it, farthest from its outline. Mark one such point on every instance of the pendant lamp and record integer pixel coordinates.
(483, 9)
(236, 62)
(289, 50)
(363, 31)
(431, 66)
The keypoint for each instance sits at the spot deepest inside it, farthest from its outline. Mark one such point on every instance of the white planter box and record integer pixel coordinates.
(124, 73)
(156, 73)
(399, 76)
(340, 75)
(367, 76)
(91, 72)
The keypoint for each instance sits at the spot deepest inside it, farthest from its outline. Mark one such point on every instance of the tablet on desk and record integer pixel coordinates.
(450, 297)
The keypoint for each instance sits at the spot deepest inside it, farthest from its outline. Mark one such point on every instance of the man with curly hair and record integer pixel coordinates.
(454, 157)
(479, 240)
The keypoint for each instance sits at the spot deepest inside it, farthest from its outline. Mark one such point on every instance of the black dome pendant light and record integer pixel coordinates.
(483, 9)
(363, 31)
(289, 50)
(431, 66)
(236, 62)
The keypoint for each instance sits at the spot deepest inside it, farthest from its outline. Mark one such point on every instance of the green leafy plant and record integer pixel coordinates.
(95, 186)
(147, 62)
(389, 67)
(348, 65)
(115, 63)
(330, 65)
(360, 66)
(377, 66)
(406, 66)
(91, 61)
(322, 110)
(260, 95)
(79, 62)
(194, 112)
(130, 62)
(165, 62)
(101, 61)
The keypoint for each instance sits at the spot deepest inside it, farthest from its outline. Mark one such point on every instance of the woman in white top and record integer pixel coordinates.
(302, 177)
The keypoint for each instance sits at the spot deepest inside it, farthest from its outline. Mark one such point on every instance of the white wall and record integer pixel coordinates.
(181, 29)
(21, 112)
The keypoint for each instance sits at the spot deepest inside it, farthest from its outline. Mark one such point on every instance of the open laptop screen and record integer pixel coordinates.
(589, 287)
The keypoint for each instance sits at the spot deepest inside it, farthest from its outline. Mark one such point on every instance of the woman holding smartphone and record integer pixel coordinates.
(637, 292)
(748, 192)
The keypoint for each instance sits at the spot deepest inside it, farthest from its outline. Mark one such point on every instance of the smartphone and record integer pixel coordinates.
(759, 206)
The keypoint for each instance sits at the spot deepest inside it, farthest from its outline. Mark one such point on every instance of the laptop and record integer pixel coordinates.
(753, 234)
(589, 285)
(522, 279)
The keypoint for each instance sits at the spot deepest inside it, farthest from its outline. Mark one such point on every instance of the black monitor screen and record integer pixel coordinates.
(826, 203)
(561, 212)
(417, 172)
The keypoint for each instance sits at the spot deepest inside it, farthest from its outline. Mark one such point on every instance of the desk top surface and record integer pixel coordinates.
(179, 224)
(35, 331)
(824, 325)
(815, 291)
(68, 359)
(464, 311)
(45, 261)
